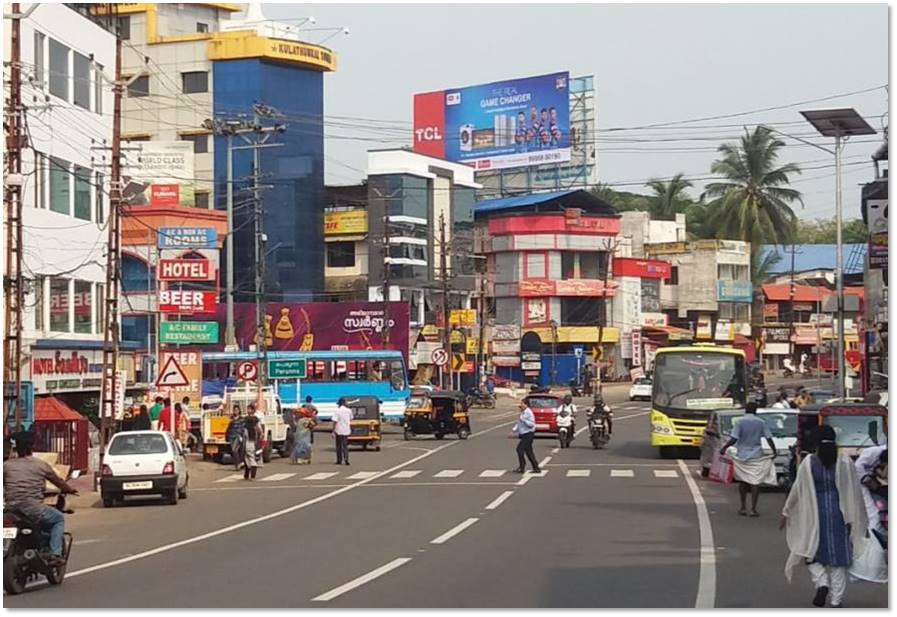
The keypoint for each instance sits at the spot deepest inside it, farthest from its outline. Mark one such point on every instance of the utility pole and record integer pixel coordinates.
(387, 330)
(108, 394)
(791, 291)
(14, 282)
(602, 319)
(443, 272)
(481, 343)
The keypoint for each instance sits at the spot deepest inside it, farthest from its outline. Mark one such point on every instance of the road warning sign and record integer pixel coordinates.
(172, 375)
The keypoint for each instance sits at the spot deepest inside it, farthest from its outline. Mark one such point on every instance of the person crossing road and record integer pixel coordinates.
(525, 429)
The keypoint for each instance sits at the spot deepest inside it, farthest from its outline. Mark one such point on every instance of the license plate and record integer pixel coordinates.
(542, 427)
(210, 449)
(10, 532)
(137, 486)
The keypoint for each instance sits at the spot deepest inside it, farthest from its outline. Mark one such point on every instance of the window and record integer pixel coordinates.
(725, 272)
(100, 215)
(735, 311)
(195, 81)
(674, 275)
(39, 62)
(124, 28)
(582, 311)
(535, 266)
(82, 193)
(590, 265)
(98, 88)
(40, 180)
(59, 305)
(200, 142)
(100, 307)
(201, 199)
(59, 70)
(81, 80)
(139, 87)
(60, 192)
(340, 254)
(201, 27)
(136, 275)
(650, 295)
(83, 308)
(568, 270)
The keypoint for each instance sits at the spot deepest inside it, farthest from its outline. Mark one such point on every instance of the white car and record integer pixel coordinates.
(782, 424)
(143, 463)
(641, 389)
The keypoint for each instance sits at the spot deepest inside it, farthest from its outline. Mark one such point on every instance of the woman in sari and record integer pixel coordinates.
(825, 519)
(301, 453)
(252, 445)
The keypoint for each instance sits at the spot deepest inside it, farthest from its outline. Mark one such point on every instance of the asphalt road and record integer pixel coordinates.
(442, 524)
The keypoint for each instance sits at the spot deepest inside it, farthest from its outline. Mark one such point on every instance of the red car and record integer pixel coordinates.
(545, 409)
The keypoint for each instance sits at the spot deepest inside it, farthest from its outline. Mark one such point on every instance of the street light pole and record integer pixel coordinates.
(230, 337)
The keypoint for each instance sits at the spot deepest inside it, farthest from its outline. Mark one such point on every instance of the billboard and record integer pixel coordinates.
(499, 125)
(877, 217)
(322, 326)
(735, 291)
(160, 174)
(352, 222)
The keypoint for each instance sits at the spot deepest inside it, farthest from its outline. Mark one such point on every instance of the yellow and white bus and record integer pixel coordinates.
(691, 382)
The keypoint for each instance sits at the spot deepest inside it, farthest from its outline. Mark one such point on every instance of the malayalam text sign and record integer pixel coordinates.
(503, 124)
(188, 332)
(188, 237)
(287, 369)
(183, 301)
(186, 270)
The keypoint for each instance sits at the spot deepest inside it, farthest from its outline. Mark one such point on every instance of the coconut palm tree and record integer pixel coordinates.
(669, 198)
(754, 203)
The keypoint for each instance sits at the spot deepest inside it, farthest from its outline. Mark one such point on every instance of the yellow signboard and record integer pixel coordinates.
(472, 346)
(245, 44)
(465, 318)
(350, 222)
(666, 248)
(457, 337)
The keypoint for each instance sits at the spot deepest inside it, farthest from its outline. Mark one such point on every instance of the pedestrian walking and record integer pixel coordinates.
(825, 519)
(871, 562)
(309, 410)
(156, 411)
(252, 445)
(525, 429)
(142, 420)
(752, 466)
(302, 446)
(342, 428)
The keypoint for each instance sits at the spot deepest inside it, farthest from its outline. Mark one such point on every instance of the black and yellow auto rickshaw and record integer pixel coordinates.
(366, 422)
(437, 414)
(857, 426)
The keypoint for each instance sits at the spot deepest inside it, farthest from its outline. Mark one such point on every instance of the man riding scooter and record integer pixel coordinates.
(566, 419)
(24, 484)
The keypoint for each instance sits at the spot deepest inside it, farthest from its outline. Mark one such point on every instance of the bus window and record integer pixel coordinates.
(397, 374)
(377, 370)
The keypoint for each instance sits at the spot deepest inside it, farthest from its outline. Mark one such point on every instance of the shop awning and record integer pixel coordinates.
(51, 409)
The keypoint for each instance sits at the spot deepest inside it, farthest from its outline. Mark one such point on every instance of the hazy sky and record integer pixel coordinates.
(652, 64)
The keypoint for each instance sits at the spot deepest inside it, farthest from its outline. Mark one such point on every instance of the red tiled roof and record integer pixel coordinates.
(51, 409)
(781, 292)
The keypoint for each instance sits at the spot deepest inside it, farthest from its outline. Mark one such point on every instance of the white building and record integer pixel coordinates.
(68, 122)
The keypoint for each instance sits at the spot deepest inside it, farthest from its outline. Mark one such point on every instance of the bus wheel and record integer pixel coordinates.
(668, 452)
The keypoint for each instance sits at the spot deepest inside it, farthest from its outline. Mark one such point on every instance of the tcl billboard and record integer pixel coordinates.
(499, 125)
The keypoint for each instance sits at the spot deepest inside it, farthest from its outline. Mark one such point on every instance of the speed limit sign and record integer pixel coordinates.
(440, 357)
(247, 371)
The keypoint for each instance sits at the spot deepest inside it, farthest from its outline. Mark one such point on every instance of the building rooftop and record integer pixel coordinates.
(554, 201)
(817, 257)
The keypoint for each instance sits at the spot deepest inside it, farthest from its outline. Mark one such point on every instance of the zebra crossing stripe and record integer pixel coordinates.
(322, 475)
(666, 473)
(449, 473)
(493, 473)
(276, 477)
(230, 478)
(407, 473)
(579, 473)
(363, 475)
(621, 473)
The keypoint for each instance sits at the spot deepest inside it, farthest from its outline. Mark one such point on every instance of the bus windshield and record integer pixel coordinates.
(698, 381)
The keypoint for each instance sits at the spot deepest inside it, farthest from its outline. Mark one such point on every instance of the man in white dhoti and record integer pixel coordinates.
(752, 466)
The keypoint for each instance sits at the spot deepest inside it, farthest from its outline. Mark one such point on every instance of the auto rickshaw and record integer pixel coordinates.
(437, 414)
(857, 426)
(366, 422)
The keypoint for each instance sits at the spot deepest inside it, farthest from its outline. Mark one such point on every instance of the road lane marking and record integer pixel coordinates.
(579, 473)
(361, 580)
(454, 531)
(621, 473)
(272, 515)
(276, 477)
(230, 478)
(492, 473)
(555, 451)
(529, 476)
(405, 474)
(321, 475)
(706, 595)
(449, 473)
(666, 473)
(613, 464)
(363, 475)
(545, 461)
(499, 500)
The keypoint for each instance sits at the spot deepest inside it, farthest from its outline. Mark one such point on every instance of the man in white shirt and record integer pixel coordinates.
(342, 428)
(525, 430)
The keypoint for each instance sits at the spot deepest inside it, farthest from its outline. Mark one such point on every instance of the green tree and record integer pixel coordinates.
(761, 271)
(754, 203)
(669, 198)
(823, 231)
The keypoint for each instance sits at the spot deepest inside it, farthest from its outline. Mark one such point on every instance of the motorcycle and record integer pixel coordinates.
(26, 549)
(565, 429)
(480, 398)
(599, 429)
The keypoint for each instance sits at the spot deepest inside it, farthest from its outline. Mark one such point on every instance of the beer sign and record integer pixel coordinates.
(183, 301)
